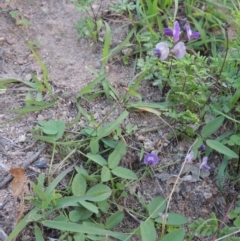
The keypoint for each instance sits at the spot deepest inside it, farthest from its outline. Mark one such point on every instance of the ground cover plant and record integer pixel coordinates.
(184, 50)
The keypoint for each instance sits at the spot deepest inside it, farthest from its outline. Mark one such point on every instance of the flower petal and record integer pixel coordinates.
(188, 31)
(168, 32)
(206, 167)
(179, 50)
(195, 35)
(151, 159)
(204, 160)
(162, 50)
(176, 31)
(190, 156)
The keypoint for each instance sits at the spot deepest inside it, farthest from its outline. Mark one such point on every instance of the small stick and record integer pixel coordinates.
(225, 217)
(25, 165)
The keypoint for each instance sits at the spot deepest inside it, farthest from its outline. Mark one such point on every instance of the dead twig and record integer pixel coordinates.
(25, 165)
(225, 217)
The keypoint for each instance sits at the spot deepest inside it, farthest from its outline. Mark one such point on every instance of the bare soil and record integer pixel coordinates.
(68, 59)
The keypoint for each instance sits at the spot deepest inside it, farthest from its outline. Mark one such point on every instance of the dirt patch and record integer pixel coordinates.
(68, 58)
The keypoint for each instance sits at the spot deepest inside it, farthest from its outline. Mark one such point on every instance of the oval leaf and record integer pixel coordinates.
(175, 235)
(218, 146)
(97, 158)
(212, 126)
(79, 185)
(74, 216)
(116, 156)
(100, 192)
(105, 174)
(148, 231)
(124, 173)
(157, 205)
(114, 220)
(89, 206)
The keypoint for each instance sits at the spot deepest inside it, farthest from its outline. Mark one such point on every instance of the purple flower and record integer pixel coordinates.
(190, 34)
(202, 148)
(161, 50)
(179, 50)
(151, 159)
(203, 164)
(175, 33)
(190, 156)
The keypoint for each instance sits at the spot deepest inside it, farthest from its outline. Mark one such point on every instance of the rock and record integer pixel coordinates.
(40, 117)
(141, 138)
(10, 40)
(28, 77)
(22, 138)
(20, 61)
(148, 145)
(2, 40)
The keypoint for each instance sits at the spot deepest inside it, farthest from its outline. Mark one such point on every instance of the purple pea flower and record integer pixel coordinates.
(190, 34)
(175, 33)
(179, 50)
(203, 164)
(202, 148)
(151, 159)
(161, 50)
(189, 157)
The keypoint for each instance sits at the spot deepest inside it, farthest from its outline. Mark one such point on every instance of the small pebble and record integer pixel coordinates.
(41, 164)
(2, 40)
(22, 138)
(148, 145)
(141, 138)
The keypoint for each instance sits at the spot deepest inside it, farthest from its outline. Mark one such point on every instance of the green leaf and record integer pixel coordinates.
(105, 174)
(173, 219)
(79, 185)
(89, 87)
(109, 142)
(61, 128)
(55, 182)
(103, 206)
(175, 235)
(114, 220)
(106, 43)
(220, 174)
(157, 205)
(32, 108)
(89, 206)
(218, 146)
(50, 127)
(97, 158)
(72, 201)
(148, 231)
(85, 213)
(38, 233)
(116, 156)
(74, 216)
(79, 237)
(80, 228)
(99, 192)
(23, 223)
(44, 69)
(94, 145)
(103, 132)
(237, 222)
(124, 173)
(212, 126)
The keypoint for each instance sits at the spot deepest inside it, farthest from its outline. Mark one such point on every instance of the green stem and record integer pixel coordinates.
(225, 57)
(166, 83)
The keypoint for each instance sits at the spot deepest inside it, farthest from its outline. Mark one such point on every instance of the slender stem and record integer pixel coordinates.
(166, 82)
(225, 57)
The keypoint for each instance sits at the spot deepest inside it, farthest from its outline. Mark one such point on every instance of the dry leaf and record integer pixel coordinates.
(19, 181)
(19, 188)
